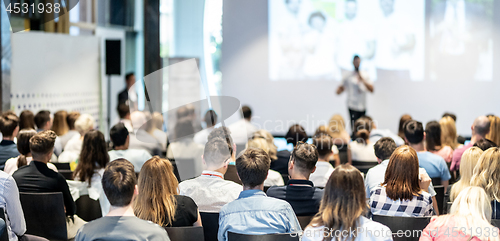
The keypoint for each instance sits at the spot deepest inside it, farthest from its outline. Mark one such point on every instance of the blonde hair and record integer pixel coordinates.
(487, 173)
(157, 186)
(448, 132)
(494, 134)
(60, 125)
(273, 149)
(84, 123)
(336, 128)
(467, 163)
(259, 143)
(470, 211)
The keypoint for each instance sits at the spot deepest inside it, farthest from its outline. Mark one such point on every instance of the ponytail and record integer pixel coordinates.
(362, 135)
(21, 161)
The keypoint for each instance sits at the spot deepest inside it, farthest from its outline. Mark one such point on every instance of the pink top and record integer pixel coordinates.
(445, 232)
(446, 153)
(457, 156)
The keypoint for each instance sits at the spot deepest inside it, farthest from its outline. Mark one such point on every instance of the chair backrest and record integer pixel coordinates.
(265, 237)
(185, 233)
(44, 214)
(87, 208)
(413, 224)
(61, 165)
(304, 221)
(68, 174)
(495, 222)
(440, 198)
(436, 181)
(4, 235)
(232, 175)
(343, 156)
(363, 166)
(210, 223)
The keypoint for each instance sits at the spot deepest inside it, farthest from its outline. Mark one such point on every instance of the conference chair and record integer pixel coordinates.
(265, 237)
(68, 174)
(403, 224)
(87, 208)
(61, 166)
(436, 181)
(232, 175)
(495, 223)
(4, 235)
(210, 222)
(440, 198)
(44, 215)
(363, 166)
(304, 221)
(185, 233)
(344, 158)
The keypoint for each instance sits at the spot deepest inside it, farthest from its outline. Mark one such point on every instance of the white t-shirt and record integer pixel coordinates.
(361, 152)
(322, 174)
(369, 230)
(356, 90)
(241, 131)
(136, 156)
(11, 165)
(274, 178)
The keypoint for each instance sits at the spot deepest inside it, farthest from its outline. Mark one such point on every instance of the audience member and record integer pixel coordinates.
(83, 124)
(485, 144)
(243, 129)
(402, 121)
(140, 138)
(189, 112)
(9, 126)
(300, 191)
(155, 128)
(210, 121)
(123, 96)
(159, 201)
(124, 114)
(119, 184)
(362, 147)
(274, 178)
(487, 176)
(434, 165)
(120, 138)
(342, 211)
(341, 139)
(324, 169)
(469, 218)
(11, 204)
(494, 134)
(460, 140)
(469, 160)
(184, 148)
(433, 141)
(404, 190)
(210, 191)
(43, 122)
(26, 120)
(24, 158)
(295, 134)
(376, 134)
(70, 120)
(59, 125)
(253, 212)
(480, 128)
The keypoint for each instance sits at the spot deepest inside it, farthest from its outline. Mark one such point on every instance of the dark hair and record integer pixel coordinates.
(94, 155)
(253, 166)
(128, 75)
(305, 157)
(41, 118)
(323, 143)
(217, 150)
(316, 14)
(118, 134)
(432, 135)
(210, 118)
(402, 176)
(362, 129)
(71, 118)
(183, 127)
(485, 144)
(295, 134)
(123, 110)
(185, 111)
(23, 145)
(401, 130)
(26, 120)
(222, 132)
(453, 116)
(247, 112)
(384, 148)
(414, 131)
(8, 124)
(42, 143)
(118, 182)
(355, 56)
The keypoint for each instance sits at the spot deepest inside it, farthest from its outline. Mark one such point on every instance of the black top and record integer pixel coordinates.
(123, 96)
(38, 178)
(281, 164)
(495, 207)
(304, 200)
(186, 212)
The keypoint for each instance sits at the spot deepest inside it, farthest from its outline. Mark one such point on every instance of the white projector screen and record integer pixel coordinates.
(285, 59)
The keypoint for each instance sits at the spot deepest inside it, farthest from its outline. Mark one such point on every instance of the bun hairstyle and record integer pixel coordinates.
(362, 126)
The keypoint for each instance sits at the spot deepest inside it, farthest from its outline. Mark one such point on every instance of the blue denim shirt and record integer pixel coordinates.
(256, 213)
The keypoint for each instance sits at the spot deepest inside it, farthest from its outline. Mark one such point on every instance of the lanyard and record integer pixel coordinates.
(212, 175)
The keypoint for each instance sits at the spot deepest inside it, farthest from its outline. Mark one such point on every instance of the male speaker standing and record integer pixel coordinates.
(124, 97)
(357, 83)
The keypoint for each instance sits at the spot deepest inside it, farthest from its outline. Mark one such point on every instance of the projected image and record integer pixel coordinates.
(317, 39)
(461, 39)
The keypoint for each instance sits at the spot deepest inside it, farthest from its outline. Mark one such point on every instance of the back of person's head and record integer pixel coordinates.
(185, 111)
(324, 144)
(448, 132)
(94, 155)
(467, 163)
(451, 115)
(155, 122)
(494, 133)
(384, 148)
(59, 125)
(221, 132)
(8, 124)
(210, 118)
(128, 76)
(26, 120)
(344, 200)
(487, 173)
(71, 119)
(123, 110)
(253, 166)
(485, 144)
(402, 176)
(401, 131)
(266, 135)
(118, 134)
(295, 134)
(336, 126)
(305, 157)
(157, 185)
(414, 132)
(183, 128)
(41, 118)
(138, 119)
(433, 136)
(247, 112)
(42, 143)
(321, 130)
(362, 129)
(84, 123)
(217, 151)
(118, 182)
(23, 145)
(481, 126)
